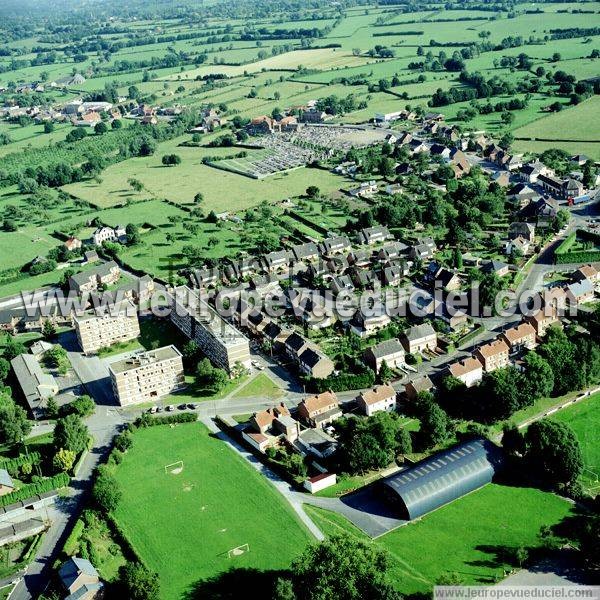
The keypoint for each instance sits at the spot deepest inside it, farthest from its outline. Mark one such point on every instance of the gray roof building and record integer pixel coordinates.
(443, 477)
(36, 385)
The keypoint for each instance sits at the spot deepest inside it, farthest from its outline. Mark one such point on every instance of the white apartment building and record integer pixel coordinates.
(147, 376)
(95, 331)
(220, 341)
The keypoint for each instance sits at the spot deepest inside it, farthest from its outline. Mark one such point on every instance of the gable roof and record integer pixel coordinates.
(377, 394)
(319, 401)
(386, 348)
(418, 332)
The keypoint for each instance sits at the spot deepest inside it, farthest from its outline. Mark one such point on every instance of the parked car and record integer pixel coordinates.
(170, 408)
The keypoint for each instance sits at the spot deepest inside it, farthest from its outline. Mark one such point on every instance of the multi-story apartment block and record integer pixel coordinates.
(147, 376)
(222, 343)
(100, 330)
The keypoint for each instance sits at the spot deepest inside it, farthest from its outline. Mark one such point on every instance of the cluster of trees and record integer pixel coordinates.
(333, 105)
(209, 377)
(550, 450)
(547, 372)
(371, 443)
(14, 424)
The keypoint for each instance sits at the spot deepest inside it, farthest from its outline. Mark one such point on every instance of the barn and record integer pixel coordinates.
(443, 477)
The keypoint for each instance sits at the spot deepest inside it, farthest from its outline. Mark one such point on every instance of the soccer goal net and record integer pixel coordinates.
(238, 551)
(174, 468)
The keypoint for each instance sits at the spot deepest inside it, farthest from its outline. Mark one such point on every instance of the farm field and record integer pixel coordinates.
(440, 543)
(196, 517)
(573, 125)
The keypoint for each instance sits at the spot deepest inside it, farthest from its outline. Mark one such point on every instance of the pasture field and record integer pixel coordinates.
(222, 190)
(184, 525)
(470, 537)
(572, 125)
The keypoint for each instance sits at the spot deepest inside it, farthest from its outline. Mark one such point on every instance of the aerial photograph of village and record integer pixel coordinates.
(299, 299)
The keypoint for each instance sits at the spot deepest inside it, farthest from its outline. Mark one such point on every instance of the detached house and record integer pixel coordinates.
(262, 421)
(420, 338)
(320, 410)
(380, 398)
(389, 351)
(493, 355)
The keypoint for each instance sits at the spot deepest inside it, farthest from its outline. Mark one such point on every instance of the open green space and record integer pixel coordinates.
(584, 418)
(184, 525)
(471, 537)
(261, 386)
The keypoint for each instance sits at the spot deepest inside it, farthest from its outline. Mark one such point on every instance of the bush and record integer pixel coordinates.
(147, 421)
(32, 489)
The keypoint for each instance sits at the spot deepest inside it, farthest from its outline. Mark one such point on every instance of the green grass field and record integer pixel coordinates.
(565, 129)
(183, 525)
(584, 418)
(469, 537)
(260, 386)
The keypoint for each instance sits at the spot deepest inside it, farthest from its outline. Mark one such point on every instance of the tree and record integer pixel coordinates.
(385, 372)
(75, 134)
(82, 406)
(51, 410)
(138, 582)
(13, 347)
(116, 124)
(434, 426)
(14, 424)
(554, 451)
(48, 329)
(512, 440)
(539, 377)
(48, 127)
(101, 128)
(345, 568)
(133, 234)
(63, 460)
(71, 433)
(4, 369)
(403, 441)
(312, 191)
(106, 492)
(123, 441)
(170, 160)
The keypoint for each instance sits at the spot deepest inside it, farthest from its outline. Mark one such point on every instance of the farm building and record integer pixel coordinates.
(443, 477)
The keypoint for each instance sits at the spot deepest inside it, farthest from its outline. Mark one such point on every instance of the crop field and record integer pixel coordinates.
(183, 525)
(500, 519)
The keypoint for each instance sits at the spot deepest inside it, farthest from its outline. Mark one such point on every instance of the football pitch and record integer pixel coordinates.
(584, 418)
(185, 525)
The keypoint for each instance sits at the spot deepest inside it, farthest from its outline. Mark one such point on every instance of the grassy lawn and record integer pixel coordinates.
(261, 385)
(120, 348)
(217, 503)
(469, 537)
(584, 418)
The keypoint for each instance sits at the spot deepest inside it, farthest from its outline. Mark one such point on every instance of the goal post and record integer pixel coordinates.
(174, 468)
(238, 551)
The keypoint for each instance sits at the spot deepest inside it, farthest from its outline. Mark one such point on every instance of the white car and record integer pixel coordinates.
(153, 410)
(170, 408)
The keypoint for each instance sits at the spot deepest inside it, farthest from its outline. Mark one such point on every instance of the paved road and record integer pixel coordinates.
(102, 425)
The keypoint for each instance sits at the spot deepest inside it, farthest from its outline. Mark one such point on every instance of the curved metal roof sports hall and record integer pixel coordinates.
(443, 477)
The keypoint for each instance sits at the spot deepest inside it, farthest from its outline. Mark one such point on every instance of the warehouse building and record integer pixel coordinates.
(443, 478)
